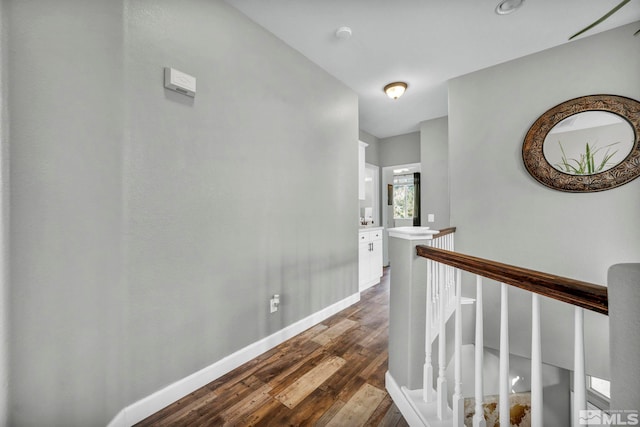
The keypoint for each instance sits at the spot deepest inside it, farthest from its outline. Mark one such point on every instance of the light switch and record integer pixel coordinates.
(431, 218)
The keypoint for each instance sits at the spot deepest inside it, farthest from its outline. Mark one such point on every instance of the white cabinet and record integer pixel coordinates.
(370, 257)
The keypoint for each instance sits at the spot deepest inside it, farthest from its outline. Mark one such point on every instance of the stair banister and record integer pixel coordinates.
(582, 295)
(442, 299)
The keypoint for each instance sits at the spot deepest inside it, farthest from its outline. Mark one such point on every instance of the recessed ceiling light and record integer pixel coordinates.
(343, 33)
(506, 7)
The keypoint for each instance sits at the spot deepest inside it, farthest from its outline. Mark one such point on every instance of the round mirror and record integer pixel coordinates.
(585, 144)
(588, 143)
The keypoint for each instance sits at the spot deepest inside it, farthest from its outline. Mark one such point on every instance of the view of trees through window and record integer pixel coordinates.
(403, 196)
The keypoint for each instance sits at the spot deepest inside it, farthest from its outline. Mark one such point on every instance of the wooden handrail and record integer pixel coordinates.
(582, 294)
(444, 232)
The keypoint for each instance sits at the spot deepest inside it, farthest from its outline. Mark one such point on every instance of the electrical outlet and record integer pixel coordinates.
(274, 303)
(431, 218)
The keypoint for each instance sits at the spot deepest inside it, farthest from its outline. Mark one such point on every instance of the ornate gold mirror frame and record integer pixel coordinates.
(545, 173)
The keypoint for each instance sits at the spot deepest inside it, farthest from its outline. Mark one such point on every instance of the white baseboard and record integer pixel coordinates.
(153, 403)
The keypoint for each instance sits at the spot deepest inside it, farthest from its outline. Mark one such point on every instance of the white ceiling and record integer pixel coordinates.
(422, 42)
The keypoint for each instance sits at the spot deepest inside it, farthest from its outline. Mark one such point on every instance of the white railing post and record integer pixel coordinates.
(579, 375)
(458, 400)
(505, 417)
(478, 417)
(427, 380)
(442, 349)
(536, 364)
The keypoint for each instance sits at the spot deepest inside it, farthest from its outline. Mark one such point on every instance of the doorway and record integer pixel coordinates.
(389, 219)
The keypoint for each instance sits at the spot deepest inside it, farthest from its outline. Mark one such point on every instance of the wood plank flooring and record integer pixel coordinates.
(330, 375)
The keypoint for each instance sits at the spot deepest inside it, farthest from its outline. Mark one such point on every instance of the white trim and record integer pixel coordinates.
(412, 233)
(153, 403)
(414, 409)
(402, 402)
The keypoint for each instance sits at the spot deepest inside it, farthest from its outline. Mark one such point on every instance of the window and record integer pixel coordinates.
(403, 196)
(600, 386)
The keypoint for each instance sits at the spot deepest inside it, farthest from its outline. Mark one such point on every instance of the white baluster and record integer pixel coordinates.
(458, 400)
(478, 417)
(504, 357)
(442, 351)
(434, 300)
(427, 379)
(436, 290)
(536, 364)
(579, 375)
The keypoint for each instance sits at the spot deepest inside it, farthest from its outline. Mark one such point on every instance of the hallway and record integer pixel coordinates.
(330, 375)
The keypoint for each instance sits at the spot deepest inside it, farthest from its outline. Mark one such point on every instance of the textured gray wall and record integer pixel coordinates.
(148, 229)
(248, 190)
(504, 214)
(434, 178)
(65, 98)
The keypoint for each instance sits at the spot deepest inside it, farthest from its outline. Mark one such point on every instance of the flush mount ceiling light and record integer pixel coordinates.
(395, 90)
(506, 7)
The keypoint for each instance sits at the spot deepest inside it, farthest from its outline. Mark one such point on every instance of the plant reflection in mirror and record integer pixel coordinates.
(587, 164)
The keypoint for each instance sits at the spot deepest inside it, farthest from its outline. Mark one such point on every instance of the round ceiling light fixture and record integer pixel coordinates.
(506, 7)
(395, 90)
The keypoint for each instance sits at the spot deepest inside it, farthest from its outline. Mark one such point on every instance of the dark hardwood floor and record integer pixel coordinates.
(330, 375)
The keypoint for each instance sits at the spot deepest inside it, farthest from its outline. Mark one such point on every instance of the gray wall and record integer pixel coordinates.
(4, 201)
(148, 230)
(502, 213)
(65, 99)
(434, 182)
(400, 150)
(372, 153)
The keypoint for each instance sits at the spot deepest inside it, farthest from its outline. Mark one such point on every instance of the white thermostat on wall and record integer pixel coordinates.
(180, 82)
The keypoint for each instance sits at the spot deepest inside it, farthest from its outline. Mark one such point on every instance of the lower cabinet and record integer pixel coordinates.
(370, 258)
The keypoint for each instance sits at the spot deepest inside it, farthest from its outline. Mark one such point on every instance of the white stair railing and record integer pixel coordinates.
(444, 298)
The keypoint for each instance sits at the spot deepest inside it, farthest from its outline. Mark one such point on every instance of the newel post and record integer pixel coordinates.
(407, 308)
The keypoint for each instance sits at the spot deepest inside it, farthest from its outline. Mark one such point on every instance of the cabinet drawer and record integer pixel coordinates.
(370, 236)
